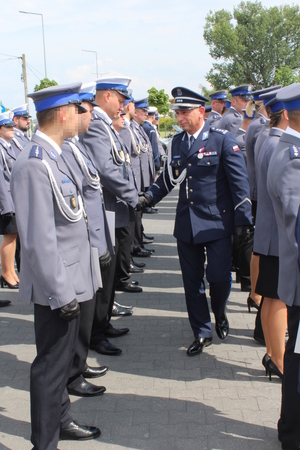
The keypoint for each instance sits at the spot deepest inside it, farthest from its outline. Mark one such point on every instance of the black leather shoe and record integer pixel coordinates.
(86, 389)
(94, 372)
(138, 264)
(115, 332)
(76, 432)
(118, 310)
(142, 253)
(122, 306)
(135, 269)
(222, 327)
(149, 238)
(198, 345)
(129, 287)
(4, 303)
(106, 348)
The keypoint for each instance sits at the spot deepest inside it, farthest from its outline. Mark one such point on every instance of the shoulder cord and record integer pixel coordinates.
(61, 202)
(17, 144)
(134, 145)
(119, 160)
(92, 182)
(143, 147)
(5, 162)
(182, 176)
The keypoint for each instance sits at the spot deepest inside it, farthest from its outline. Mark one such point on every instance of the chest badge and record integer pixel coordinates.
(73, 202)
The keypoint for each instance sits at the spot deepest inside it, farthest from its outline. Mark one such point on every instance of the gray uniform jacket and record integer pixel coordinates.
(265, 234)
(214, 118)
(284, 189)
(7, 159)
(231, 121)
(92, 198)
(240, 139)
(132, 144)
(56, 263)
(250, 139)
(147, 162)
(118, 192)
(19, 141)
(262, 136)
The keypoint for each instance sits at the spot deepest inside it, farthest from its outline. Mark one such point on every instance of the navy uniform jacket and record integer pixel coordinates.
(265, 234)
(240, 139)
(56, 262)
(151, 133)
(147, 163)
(284, 189)
(132, 145)
(214, 197)
(119, 194)
(250, 139)
(19, 141)
(231, 120)
(7, 159)
(214, 119)
(92, 198)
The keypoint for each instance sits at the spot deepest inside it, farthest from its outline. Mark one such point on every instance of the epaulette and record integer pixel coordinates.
(219, 130)
(36, 152)
(294, 152)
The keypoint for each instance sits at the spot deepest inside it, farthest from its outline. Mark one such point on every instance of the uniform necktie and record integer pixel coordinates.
(192, 140)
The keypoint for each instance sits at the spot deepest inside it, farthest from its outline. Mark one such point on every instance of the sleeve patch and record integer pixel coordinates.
(236, 148)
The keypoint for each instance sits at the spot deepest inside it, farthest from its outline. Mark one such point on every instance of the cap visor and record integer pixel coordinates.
(126, 95)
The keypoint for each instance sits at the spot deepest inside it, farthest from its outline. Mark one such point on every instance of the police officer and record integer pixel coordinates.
(151, 133)
(57, 272)
(284, 189)
(232, 119)
(218, 101)
(213, 202)
(22, 121)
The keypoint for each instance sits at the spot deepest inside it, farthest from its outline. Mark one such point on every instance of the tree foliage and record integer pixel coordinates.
(159, 99)
(253, 45)
(44, 83)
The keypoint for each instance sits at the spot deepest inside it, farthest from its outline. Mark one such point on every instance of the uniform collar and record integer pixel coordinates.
(49, 140)
(292, 132)
(103, 113)
(5, 143)
(197, 132)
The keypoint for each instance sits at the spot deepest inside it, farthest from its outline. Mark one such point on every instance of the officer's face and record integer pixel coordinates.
(6, 133)
(115, 105)
(218, 106)
(70, 121)
(191, 120)
(119, 123)
(239, 103)
(141, 115)
(85, 118)
(22, 123)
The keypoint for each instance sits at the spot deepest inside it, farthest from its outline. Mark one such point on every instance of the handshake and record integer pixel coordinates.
(145, 200)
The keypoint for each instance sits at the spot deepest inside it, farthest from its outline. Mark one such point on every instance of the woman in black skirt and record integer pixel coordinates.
(8, 227)
(273, 312)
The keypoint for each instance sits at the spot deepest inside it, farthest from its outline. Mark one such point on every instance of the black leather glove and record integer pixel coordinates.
(145, 200)
(70, 311)
(242, 234)
(8, 215)
(105, 260)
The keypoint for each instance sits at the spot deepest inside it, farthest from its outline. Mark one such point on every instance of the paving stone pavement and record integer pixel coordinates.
(157, 398)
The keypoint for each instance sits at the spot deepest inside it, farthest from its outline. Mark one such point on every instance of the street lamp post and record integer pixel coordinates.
(92, 51)
(38, 14)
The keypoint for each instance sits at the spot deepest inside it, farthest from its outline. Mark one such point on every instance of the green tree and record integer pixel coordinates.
(285, 75)
(159, 99)
(44, 83)
(250, 45)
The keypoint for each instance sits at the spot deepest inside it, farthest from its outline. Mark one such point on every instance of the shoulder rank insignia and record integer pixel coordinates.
(294, 152)
(219, 130)
(36, 152)
(53, 155)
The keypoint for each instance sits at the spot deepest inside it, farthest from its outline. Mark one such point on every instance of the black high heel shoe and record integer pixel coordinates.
(272, 369)
(251, 304)
(6, 284)
(265, 361)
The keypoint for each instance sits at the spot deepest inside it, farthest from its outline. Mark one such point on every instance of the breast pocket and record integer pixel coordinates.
(69, 192)
(71, 261)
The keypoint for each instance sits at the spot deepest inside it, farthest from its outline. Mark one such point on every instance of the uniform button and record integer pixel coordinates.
(189, 164)
(192, 203)
(224, 210)
(208, 163)
(50, 298)
(191, 190)
(190, 177)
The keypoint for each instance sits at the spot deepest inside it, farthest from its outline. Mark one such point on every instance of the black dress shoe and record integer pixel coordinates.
(149, 238)
(149, 249)
(138, 264)
(147, 241)
(128, 287)
(94, 372)
(122, 306)
(142, 253)
(86, 389)
(106, 348)
(198, 345)
(135, 269)
(4, 303)
(76, 432)
(222, 327)
(115, 332)
(118, 310)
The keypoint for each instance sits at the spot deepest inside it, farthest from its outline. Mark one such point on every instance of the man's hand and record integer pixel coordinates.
(105, 260)
(70, 311)
(145, 200)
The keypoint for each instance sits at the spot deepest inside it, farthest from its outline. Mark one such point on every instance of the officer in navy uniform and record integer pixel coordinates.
(82, 166)
(213, 204)
(151, 133)
(232, 119)
(218, 101)
(284, 189)
(57, 269)
(22, 121)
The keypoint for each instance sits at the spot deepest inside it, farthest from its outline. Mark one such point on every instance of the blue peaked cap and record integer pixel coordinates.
(56, 96)
(6, 119)
(290, 97)
(142, 103)
(219, 95)
(257, 94)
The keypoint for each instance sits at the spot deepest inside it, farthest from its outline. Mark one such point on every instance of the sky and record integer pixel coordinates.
(158, 43)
